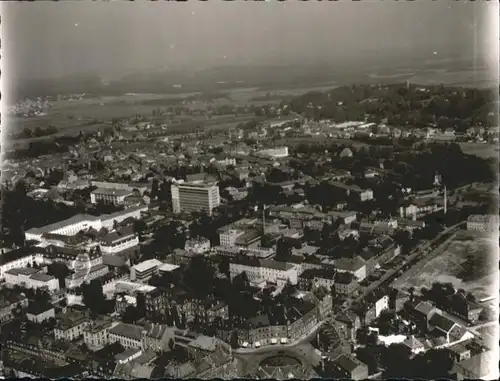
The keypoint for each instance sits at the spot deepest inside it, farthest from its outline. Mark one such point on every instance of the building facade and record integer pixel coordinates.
(483, 223)
(189, 197)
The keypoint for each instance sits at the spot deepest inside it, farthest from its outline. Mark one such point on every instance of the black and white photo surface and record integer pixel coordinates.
(249, 189)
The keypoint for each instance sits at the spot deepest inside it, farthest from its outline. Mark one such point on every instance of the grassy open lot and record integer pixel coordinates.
(467, 262)
(482, 150)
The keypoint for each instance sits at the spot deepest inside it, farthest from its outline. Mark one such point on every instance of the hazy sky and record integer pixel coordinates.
(53, 39)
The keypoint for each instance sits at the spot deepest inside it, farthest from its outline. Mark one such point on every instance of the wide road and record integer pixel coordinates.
(303, 352)
(391, 274)
(300, 349)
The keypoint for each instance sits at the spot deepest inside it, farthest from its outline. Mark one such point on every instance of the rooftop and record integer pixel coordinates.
(61, 224)
(125, 232)
(127, 330)
(205, 343)
(167, 267)
(112, 192)
(22, 271)
(41, 277)
(441, 322)
(347, 362)
(127, 354)
(38, 308)
(146, 265)
(484, 218)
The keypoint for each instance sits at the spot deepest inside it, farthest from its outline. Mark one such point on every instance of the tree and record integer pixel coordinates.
(130, 315)
(234, 339)
(224, 265)
(283, 250)
(93, 297)
(395, 359)
(155, 188)
(139, 226)
(60, 271)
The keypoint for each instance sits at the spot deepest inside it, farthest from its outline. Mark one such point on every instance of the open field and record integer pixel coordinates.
(482, 150)
(466, 262)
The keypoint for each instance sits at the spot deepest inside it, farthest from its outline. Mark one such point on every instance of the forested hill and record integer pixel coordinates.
(416, 106)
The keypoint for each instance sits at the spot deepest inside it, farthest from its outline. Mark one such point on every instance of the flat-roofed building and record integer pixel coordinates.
(144, 270)
(277, 152)
(109, 196)
(189, 197)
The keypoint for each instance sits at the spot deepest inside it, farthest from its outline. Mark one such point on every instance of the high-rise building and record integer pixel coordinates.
(191, 197)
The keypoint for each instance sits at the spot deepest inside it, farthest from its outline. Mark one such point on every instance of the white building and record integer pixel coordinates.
(128, 335)
(190, 197)
(38, 315)
(110, 196)
(270, 270)
(118, 241)
(227, 237)
(70, 331)
(483, 223)
(381, 305)
(16, 259)
(144, 270)
(95, 335)
(277, 152)
(85, 276)
(75, 224)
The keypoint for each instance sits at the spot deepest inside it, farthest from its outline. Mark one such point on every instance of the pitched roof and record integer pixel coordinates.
(127, 330)
(413, 343)
(441, 322)
(347, 362)
(424, 308)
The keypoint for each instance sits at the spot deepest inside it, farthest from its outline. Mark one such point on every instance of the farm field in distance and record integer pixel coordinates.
(481, 150)
(466, 262)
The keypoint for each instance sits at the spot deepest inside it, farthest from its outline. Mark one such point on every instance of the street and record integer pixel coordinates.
(392, 272)
(300, 349)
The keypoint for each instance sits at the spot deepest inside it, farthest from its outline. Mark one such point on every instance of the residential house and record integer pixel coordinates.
(465, 309)
(38, 313)
(422, 314)
(95, 334)
(356, 266)
(70, 325)
(347, 324)
(415, 345)
(345, 283)
(347, 366)
(128, 335)
(375, 307)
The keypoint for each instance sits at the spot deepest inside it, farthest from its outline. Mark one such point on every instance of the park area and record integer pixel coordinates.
(466, 262)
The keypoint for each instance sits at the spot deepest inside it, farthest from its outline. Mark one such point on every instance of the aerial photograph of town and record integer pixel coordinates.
(269, 190)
